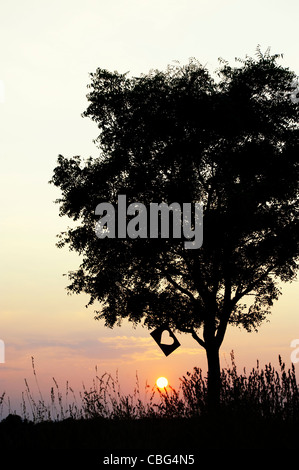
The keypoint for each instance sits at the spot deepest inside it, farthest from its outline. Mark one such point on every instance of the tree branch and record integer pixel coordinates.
(198, 339)
(229, 303)
(195, 336)
(177, 286)
(251, 285)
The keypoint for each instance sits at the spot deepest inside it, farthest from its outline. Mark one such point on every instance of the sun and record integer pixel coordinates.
(162, 382)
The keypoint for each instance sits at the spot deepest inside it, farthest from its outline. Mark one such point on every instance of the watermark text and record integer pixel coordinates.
(295, 93)
(295, 352)
(158, 221)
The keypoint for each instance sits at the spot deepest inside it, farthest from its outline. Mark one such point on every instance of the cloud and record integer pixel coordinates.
(129, 348)
(125, 342)
(105, 350)
(137, 349)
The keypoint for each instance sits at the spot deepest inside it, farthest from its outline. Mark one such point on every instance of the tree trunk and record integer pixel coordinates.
(213, 378)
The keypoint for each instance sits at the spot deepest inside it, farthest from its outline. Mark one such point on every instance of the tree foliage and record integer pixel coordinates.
(229, 141)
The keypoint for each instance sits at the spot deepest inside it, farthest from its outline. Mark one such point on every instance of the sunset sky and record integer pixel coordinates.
(48, 49)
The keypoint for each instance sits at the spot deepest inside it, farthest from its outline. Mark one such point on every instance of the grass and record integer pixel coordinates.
(258, 410)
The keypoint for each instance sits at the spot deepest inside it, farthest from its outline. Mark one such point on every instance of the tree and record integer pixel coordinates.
(230, 142)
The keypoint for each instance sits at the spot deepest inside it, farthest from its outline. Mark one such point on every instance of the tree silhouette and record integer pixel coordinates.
(230, 142)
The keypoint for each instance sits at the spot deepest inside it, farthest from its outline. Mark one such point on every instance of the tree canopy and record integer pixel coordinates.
(229, 141)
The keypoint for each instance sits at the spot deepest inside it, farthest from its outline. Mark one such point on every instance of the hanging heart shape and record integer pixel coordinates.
(166, 338)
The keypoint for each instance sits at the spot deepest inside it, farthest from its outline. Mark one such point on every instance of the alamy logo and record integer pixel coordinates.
(146, 223)
(295, 353)
(295, 93)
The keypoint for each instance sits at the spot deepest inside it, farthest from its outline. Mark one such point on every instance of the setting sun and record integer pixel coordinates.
(162, 382)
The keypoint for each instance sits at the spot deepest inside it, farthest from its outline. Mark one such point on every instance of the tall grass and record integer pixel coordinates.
(262, 393)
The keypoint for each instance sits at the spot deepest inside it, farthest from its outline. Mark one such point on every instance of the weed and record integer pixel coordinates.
(263, 393)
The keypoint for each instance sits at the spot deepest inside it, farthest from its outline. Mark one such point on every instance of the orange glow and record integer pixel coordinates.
(162, 382)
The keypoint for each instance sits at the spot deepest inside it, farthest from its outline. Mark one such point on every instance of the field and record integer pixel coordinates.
(259, 410)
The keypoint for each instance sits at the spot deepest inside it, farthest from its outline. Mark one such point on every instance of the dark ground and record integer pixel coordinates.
(159, 434)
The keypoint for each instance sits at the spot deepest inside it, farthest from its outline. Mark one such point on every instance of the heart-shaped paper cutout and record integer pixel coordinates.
(166, 338)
